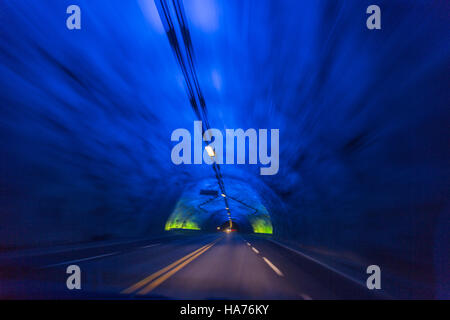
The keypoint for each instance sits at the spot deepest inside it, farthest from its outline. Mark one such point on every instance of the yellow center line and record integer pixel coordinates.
(166, 276)
(155, 275)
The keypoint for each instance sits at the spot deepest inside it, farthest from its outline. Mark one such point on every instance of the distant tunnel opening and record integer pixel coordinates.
(201, 207)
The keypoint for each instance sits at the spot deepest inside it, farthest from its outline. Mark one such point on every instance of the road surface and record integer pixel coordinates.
(207, 266)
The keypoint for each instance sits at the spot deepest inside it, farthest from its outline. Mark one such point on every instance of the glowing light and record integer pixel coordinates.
(187, 225)
(204, 14)
(210, 151)
(151, 13)
(261, 224)
(224, 195)
(216, 80)
(218, 228)
(181, 218)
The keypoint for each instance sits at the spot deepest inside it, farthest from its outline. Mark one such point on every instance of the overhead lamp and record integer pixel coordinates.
(224, 195)
(210, 151)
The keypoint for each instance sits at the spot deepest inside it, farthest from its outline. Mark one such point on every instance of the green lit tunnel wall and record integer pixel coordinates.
(183, 217)
(193, 210)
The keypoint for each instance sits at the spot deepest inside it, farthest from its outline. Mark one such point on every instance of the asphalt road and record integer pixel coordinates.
(208, 266)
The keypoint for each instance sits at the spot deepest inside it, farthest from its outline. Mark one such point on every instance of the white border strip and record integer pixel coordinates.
(320, 263)
(79, 260)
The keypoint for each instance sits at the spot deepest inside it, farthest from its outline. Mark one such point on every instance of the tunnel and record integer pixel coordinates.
(203, 209)
(88, 118)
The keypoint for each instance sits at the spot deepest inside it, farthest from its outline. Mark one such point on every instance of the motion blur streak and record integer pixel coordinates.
(85, 127)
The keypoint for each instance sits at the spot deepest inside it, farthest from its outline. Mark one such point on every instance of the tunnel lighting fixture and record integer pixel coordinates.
(224, 195)
(227, 208)
(218, 228)
(210, 151)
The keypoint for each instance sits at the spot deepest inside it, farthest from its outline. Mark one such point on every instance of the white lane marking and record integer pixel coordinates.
(80, 260)
(277, 271)
(305, 296)
(150, 245)
(249, 244)
(254, 249)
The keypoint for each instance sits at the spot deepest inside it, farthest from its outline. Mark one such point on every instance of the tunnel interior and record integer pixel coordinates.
(198, 210)
(87, 118)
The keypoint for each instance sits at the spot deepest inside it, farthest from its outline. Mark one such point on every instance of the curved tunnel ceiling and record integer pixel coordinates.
(197, 211)
(87, 119)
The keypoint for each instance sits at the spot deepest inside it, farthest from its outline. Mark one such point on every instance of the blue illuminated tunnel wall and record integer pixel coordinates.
(87, 115)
